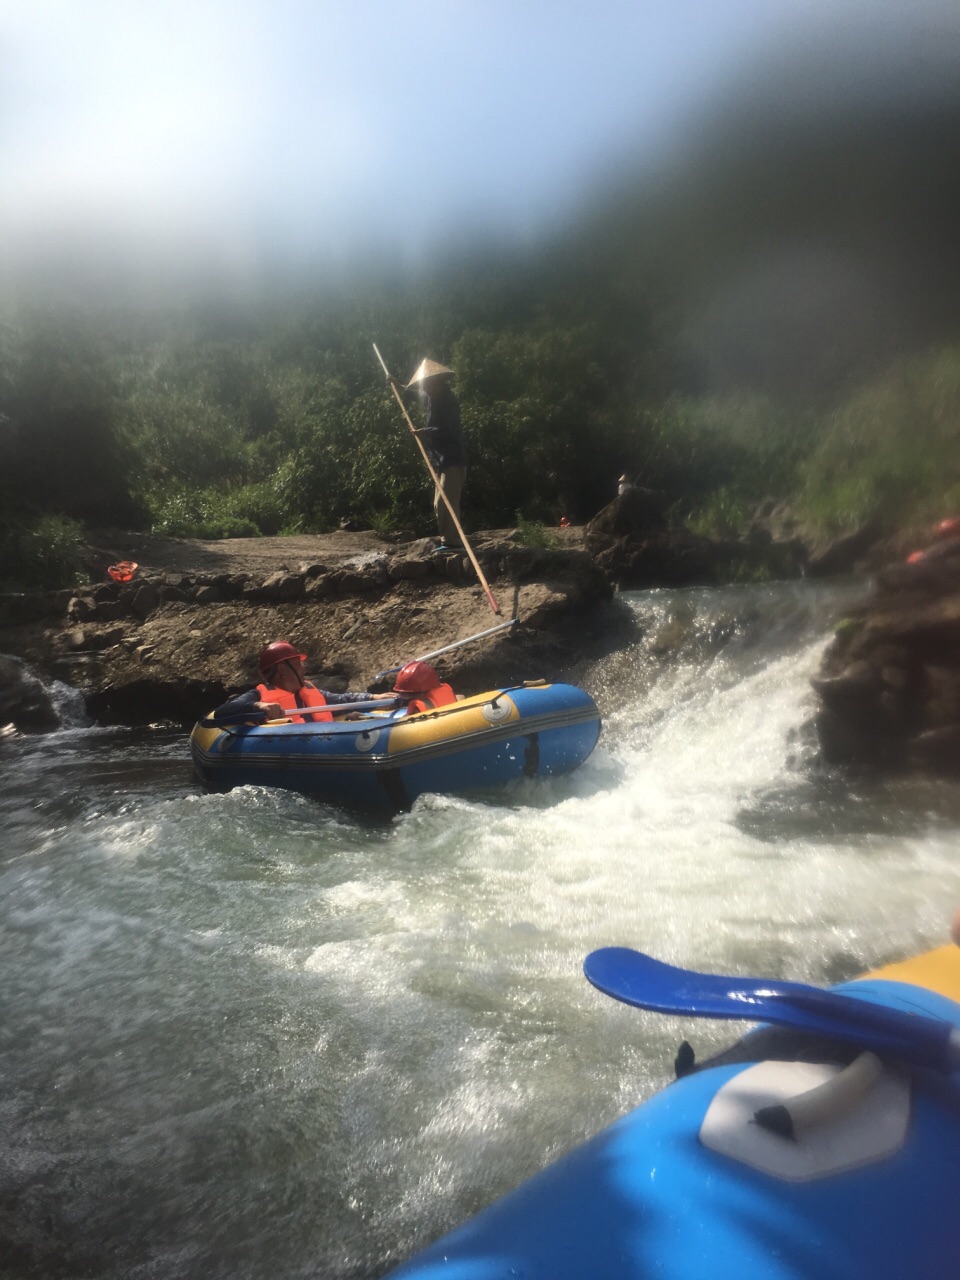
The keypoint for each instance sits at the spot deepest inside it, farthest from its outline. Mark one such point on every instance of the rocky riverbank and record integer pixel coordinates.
(889, 686)
(184, 633)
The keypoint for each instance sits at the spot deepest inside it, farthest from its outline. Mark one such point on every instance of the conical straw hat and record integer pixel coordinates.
(429, 369)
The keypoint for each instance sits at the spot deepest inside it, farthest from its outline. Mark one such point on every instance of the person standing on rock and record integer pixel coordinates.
(284, 690)
(443, 440)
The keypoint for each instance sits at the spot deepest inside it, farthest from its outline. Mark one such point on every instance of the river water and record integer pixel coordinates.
(247, 1035)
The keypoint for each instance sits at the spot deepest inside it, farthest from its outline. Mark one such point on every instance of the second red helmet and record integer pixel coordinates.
(278, 651)
(416, 677)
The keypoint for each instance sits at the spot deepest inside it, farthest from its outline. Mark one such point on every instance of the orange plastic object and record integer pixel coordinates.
(123, 570)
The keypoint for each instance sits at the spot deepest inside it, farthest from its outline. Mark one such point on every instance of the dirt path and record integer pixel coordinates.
(253, 556)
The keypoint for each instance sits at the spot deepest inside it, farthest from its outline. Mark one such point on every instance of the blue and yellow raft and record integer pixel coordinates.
(385, 761)
(689, 1186)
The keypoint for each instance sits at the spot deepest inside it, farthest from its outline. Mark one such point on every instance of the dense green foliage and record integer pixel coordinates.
(891, 451)
(188, 431)
(780, 319)
(42, 552)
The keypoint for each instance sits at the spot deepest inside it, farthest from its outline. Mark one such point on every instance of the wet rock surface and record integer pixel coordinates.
(889, 684)
(25, 703)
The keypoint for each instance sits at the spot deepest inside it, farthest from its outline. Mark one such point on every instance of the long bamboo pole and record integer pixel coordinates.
(436, 480)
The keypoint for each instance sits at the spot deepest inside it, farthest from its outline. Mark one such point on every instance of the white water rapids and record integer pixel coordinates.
(247, 1036)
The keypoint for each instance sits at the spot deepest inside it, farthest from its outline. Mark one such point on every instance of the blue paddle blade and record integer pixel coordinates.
(642, 981)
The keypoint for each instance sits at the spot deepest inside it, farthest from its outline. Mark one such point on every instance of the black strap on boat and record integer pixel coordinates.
(769, 1044)
(392, 783)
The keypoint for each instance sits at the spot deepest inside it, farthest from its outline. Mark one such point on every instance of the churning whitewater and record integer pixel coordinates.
(248, 1035)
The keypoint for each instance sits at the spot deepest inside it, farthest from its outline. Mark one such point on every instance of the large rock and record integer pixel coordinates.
(630, 515)
(24, 700)
(634, 546)
(889, 684)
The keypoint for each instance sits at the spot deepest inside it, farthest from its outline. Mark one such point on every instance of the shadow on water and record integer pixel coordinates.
(831, 808)
(66, 775)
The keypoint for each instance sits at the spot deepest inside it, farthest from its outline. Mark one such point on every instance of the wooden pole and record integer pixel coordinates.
(436, 480)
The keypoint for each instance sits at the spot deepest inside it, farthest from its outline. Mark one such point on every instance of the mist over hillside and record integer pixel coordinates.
(793, 236)
(808, 231)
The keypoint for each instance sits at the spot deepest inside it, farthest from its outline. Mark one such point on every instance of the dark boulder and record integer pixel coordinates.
(24, 699)
(631, 514)
(889, 683)
(156, 700)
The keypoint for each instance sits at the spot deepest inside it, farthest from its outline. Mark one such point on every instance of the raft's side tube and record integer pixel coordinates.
(867, 1192)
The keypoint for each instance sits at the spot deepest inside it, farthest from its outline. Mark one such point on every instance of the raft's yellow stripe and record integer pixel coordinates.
(424, 729)
(429, 727)
(937, 970)
(205, 738)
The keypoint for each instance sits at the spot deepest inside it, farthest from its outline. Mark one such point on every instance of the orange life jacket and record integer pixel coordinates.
(307, 696)
(438, 697)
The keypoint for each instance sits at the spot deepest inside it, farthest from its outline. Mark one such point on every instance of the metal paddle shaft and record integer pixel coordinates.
(340, 708)
(646, 983)
(436, 480)
(457, 644)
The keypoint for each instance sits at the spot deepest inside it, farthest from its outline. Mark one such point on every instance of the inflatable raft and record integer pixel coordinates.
(826, 1147)
(386, 760)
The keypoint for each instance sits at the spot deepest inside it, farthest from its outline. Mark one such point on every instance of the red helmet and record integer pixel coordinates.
(416, 677)
(949, 528)
(278, 651)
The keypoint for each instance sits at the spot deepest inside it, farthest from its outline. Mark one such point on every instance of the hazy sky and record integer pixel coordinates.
(314, 125)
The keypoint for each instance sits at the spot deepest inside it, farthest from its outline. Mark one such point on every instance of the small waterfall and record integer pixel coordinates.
(28, 702)
(69, 705)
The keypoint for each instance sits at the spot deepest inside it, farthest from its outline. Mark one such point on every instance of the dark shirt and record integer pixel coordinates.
(244, 700)
(443, 434)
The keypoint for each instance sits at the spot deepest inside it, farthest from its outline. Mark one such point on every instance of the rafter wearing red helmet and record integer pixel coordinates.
(285, 691)
(422, 689)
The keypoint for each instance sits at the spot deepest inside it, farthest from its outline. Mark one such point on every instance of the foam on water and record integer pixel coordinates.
(252, 1035)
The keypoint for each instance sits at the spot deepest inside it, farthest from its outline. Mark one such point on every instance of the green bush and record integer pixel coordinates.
(193, 514)
(533, 533)
(891, 452)
(42, 554)
(723, 515)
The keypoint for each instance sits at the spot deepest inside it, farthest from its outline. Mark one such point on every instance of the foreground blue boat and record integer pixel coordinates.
(793, 1156)
(385, 761)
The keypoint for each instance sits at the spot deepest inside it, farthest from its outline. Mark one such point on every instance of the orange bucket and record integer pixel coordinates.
(123, 570)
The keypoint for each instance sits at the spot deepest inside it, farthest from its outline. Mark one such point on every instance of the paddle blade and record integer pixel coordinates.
(640, 980)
